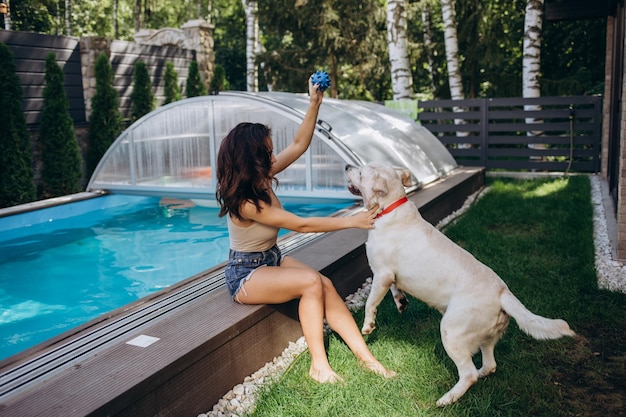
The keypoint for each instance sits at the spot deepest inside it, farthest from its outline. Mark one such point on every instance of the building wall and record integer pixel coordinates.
(606, 99)
(621, 200)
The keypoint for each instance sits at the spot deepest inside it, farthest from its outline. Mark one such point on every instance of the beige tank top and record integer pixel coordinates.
(254, 238)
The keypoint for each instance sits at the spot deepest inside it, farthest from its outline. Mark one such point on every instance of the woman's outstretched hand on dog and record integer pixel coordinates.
(366, 219)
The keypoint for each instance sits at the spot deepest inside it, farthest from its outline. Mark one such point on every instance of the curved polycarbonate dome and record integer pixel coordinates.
(171, 151)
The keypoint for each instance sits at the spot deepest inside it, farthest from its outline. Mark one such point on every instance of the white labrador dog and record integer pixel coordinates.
(406, 253)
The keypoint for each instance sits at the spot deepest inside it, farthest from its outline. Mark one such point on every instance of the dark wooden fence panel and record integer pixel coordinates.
(31, 49)
(547, 133)
(29, 53)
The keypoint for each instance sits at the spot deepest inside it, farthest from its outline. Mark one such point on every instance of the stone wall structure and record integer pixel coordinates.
(194, 41)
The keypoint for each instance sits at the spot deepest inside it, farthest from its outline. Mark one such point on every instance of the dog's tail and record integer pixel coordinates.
(536, 326)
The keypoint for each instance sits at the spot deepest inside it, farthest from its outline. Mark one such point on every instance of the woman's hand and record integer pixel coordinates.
(314, 93)
(366, 219)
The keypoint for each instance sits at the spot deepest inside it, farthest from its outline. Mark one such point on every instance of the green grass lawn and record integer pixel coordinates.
(537, 235)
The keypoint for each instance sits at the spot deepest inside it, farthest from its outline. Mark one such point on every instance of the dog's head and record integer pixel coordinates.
(377, 183)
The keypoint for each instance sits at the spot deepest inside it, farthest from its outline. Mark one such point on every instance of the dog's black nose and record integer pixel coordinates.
(348, 167)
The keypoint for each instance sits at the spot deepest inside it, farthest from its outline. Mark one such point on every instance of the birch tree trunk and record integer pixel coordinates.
(531, 61)
(428, 44)
(7, 16)
(452, 50)
(401, 78)
(251, 8)
(137, 15)
(452, 59)
(116, 26)
(68, 15)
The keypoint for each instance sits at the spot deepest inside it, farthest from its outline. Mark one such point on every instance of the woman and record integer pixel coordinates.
(256, 272)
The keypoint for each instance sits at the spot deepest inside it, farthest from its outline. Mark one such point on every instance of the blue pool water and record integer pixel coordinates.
(65, 265)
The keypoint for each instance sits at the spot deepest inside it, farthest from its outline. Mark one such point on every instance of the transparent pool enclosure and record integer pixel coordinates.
(170, 151)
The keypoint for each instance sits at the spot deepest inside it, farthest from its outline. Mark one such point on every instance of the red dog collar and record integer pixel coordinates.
(392, 207)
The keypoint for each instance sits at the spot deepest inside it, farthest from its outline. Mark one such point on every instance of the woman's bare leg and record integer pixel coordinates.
(273, 285)
(340, 319)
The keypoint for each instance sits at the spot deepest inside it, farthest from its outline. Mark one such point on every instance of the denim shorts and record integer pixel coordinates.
(241, 265)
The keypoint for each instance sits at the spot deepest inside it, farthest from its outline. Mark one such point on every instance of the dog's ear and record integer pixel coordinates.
(405, 176)
(379, 185)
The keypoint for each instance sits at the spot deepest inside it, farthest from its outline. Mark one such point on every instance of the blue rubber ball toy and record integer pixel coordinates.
(322, 79)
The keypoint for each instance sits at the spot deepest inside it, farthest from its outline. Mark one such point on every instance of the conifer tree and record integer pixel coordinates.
(172, 89)
(62, 165)
(17, 185)
(142, 97)
(219, 81)
(105, 122)
(195, 87)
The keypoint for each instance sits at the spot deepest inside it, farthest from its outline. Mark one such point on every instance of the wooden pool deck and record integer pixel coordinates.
(205, 344)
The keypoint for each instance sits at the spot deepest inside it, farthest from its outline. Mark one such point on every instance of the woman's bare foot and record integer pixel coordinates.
(378, 368)
(325, 377)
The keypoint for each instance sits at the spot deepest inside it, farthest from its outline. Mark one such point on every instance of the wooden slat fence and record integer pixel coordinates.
(542, 134)
(29, 54)
(31, 49)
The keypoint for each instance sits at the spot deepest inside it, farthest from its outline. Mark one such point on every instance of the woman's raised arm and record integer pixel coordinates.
(304, 134)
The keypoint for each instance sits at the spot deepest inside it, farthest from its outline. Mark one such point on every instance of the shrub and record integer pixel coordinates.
(62, 166)
(105, 122)
(195, 87)
(142, 98)
(219, 81)
(172, 89)
(17, 185)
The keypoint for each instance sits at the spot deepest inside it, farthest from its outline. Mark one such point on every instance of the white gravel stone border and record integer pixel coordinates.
(241, 399)
(611, 273)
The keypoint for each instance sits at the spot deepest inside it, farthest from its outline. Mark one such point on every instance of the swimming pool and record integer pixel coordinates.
(63, 266)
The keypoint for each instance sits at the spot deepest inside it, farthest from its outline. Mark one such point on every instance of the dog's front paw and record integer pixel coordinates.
(368, 328)
(447, 399)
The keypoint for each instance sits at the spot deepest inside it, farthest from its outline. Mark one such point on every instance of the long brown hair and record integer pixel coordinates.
(244, 163)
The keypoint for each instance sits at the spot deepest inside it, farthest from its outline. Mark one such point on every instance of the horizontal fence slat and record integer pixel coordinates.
(543, 127)
(577, 166)
(562, 123)
(550, 140)
(447, 115)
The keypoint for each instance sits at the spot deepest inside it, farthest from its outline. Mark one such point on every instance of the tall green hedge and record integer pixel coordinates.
(194, 87)
(172, 89)
(17, 185)
(62, 163)
(142, 97)
(105, 122)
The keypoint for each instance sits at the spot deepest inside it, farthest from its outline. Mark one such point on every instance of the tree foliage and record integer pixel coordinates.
(105, 122)
(142, 97)
(172, 89)
(62, 163)
(17, 184)
(348, 39)
(230, 41)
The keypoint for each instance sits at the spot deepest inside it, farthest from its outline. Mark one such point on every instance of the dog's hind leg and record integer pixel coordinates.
(380, 286)
(460, 349)
(399, 298)
(489, 343)
(489, 360)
